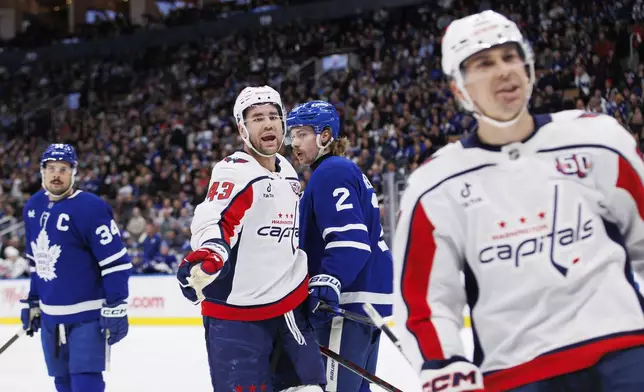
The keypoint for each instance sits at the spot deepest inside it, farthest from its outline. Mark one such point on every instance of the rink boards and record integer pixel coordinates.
(154, 300)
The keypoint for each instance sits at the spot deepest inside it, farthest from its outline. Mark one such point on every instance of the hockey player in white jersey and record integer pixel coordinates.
(542, 215)
(246, 269)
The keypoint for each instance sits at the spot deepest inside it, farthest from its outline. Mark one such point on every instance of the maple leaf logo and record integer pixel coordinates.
(45, 256)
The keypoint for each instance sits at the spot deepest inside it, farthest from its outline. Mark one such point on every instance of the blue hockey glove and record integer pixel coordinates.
(322, 288)
(114, 322)
(30, 316)
(198, 270)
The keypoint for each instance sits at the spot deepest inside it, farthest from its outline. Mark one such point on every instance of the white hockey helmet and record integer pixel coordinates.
(472, 34)
(257, 96)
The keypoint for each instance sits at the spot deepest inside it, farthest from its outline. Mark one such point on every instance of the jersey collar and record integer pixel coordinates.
(317, 163)
(473, 140)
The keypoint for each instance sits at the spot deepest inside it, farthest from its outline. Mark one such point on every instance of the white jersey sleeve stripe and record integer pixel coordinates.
(116, 268)
(348, 244)
(351, 226)
(112, 258)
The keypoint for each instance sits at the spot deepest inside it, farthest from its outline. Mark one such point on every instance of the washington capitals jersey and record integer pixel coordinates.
(341, 233)
(250, 218)
(79, 261)
(547, 234)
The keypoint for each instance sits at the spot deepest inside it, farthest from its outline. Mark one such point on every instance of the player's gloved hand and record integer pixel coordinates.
(198, 270)
(322, 288)
(459, 376)
(30, 315)
(114, 322)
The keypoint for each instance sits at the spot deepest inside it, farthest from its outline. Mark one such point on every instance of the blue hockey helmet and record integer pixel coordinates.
(317, 114)
(59, 152)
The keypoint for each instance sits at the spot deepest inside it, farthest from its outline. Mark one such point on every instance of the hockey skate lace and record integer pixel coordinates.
(292, 326)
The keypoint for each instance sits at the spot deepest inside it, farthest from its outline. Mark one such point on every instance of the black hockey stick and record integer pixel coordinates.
(358, 318)
(358, 370)
(12, 340)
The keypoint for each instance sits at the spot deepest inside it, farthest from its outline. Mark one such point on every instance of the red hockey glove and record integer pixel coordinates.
(197, 270)
(456, 377)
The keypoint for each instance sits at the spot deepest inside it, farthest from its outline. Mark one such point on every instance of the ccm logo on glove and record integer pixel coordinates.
(113, 312)
(456, 377)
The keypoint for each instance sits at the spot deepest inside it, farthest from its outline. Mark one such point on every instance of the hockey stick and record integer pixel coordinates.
(358, 318)
(108, 352)
(358, 370)
(377, 319)
(12, 340)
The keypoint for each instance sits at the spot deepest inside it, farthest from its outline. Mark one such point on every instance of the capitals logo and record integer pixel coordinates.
(535, 241)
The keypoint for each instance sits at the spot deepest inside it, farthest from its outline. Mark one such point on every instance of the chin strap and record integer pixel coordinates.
(321, 148)
(501, 124)
(246, 138)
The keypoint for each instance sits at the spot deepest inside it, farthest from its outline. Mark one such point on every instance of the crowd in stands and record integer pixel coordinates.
(148, 130)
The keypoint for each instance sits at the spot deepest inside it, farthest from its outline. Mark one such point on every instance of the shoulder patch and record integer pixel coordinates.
(235, 160)
(588, 115)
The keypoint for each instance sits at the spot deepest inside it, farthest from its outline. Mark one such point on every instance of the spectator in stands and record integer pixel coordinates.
(13, 265)
(137, 223)
(151, 245)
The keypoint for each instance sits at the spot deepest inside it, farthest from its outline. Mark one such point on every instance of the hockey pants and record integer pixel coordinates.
(353, 341)
(75, 355)
(620, 371)
(263, 356)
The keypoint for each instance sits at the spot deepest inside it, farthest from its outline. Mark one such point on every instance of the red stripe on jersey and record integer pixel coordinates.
(257, 313)
(629, 180)
(562, 362)
(235, 212)
(419, 260)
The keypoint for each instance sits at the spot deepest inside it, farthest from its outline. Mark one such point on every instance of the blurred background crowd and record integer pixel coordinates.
(149, 125)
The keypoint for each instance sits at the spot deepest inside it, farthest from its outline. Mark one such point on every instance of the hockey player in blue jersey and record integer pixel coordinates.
(79, 275)
(341, 233)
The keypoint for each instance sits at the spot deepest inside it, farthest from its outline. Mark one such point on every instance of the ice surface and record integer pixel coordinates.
(159, 359)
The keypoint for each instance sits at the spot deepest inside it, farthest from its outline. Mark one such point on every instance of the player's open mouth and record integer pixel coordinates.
(508, 89)
(269, 138)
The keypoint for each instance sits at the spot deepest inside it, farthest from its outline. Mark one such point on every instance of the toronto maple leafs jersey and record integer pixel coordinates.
(547, 234)
(79, 261)
(250, 216)
(340, 231)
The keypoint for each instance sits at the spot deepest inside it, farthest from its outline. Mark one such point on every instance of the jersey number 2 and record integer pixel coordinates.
(226, 190)
(344, 195)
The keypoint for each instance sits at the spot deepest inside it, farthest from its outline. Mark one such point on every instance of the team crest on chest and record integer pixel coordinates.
(45, 256)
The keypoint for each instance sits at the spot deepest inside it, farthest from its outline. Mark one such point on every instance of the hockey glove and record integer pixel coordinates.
(322, 288)
(459, 376)
(30, 316)
(114, 322)
(198, 270)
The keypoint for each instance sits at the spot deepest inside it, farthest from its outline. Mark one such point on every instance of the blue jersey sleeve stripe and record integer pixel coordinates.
(348, 244)
(116, 268)
(350, 226)
(112, 258)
